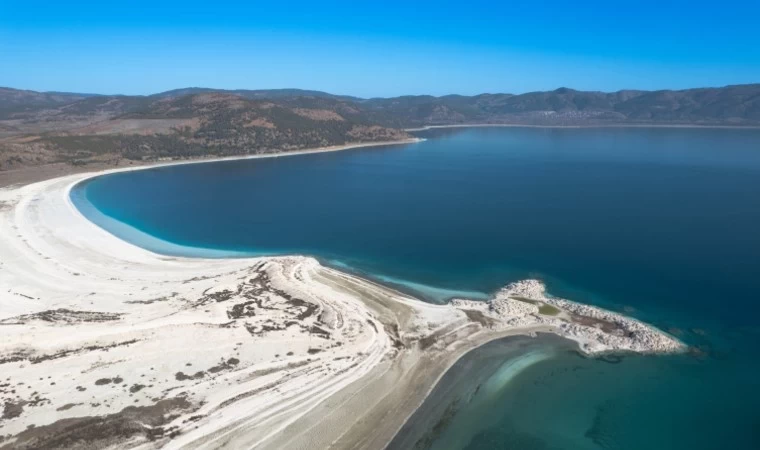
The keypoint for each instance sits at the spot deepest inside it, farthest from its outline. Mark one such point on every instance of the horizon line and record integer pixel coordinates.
(92, 94)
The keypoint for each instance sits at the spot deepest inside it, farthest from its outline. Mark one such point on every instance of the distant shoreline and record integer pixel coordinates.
(32, 174)
(616, 125)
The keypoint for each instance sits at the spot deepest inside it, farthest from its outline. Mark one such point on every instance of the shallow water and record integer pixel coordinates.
(657, 223)
(561, 400)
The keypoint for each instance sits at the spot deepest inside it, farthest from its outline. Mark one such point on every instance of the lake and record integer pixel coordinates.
(658, 223)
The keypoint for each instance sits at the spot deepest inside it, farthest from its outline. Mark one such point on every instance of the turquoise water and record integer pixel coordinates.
(517, 394)
(657, 223)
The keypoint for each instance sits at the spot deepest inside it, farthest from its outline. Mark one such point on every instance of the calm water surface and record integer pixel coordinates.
(658, 223)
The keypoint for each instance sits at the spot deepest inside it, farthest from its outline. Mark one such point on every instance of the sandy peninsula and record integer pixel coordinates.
(106, 345)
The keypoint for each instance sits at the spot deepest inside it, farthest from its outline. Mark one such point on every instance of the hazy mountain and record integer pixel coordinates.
(16, 100)
(730, 104)
(727, 105)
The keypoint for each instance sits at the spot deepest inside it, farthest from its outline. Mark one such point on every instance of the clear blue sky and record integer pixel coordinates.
(382, 48)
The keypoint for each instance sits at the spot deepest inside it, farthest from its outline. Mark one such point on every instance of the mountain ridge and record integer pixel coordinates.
(313, 92)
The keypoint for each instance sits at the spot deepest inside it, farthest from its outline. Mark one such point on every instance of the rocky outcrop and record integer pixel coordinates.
(525, 303)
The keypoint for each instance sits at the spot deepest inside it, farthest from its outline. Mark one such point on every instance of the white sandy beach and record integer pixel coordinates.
(104, 344)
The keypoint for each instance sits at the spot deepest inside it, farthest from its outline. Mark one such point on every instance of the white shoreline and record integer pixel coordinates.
(278, 154)
(123, 312)
(166, 248)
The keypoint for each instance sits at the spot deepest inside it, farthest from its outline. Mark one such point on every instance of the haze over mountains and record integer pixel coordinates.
(46, 127)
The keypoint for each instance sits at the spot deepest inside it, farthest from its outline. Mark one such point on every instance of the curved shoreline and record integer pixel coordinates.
(160, 246)
(133, 308)
(281, 154)
(167, 248)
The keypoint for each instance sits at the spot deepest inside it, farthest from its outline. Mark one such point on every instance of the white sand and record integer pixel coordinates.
(221, 352)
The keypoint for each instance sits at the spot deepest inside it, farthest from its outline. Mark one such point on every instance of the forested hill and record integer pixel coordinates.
(109, 129)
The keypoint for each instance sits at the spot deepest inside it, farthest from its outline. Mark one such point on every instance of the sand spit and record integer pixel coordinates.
(104, 344)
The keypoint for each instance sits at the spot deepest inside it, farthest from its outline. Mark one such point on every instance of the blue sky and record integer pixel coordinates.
(383, 48)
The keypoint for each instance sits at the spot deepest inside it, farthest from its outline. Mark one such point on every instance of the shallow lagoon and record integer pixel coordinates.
(518, 394)
(658, 223)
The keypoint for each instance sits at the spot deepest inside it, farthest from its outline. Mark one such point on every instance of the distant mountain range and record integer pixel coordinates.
(738, 104)
(44, 127)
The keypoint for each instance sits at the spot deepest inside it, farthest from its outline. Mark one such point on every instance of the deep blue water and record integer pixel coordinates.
(659, 223)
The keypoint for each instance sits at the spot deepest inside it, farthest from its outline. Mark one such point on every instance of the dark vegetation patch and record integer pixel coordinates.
(22, 356)
(478, 317)
(225, 365)
(67, 406)
(152, 300)
(221, 296)
(307, 309)
(393, 332)
(543, 308)
(16, 356)
(315, 330)
(604, 325)
(242, 310)
(607, 326)
(63, 316)
(11, 410)
(548, 310)
(256, 292)
(93, 432)
(429, 340)
(194, 418)
(255, 330)
(180, 376)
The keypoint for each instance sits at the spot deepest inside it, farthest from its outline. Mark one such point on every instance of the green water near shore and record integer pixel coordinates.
(541, 394)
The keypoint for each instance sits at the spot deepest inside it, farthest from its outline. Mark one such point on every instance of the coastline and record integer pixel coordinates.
(102, 170)
(66, 263)
(615, 125)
